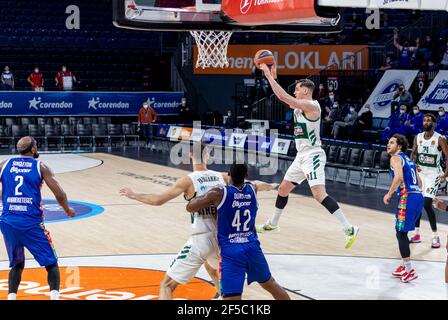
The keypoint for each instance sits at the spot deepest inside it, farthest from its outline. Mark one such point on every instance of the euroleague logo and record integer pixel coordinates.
(245, 6)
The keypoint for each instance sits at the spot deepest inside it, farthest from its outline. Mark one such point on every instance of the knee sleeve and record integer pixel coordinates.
(403, 244)
(54, 278)
(15, 276)
(330, 204)
(281, 202)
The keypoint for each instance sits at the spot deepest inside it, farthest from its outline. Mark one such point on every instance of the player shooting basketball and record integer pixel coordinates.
(310, 161)
(202, 247)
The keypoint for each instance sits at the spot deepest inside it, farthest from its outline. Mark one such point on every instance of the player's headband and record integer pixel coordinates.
(29, 148)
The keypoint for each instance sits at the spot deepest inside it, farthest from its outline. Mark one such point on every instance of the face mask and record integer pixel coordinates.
(402, 111)
(145, 106)
(352, 110)
(64, 69)
(441, 113)
(415, 111)
(36, 70)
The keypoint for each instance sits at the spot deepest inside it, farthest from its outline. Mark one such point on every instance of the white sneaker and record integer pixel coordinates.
(266, 227)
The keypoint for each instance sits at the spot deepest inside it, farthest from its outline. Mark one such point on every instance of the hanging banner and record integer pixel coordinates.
(293, 60)
(381, 98)
(261, 12)
(437, 94)
(29, 103)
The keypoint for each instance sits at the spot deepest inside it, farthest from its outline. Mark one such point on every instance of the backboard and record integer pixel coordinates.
(285, 16)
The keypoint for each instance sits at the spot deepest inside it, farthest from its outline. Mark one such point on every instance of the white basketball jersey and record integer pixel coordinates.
(203, 181)
(429, 152)
(306, 132)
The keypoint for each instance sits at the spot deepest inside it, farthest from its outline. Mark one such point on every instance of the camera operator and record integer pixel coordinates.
(402, 97)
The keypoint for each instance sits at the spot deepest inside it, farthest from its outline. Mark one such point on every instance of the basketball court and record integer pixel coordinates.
(129, 240)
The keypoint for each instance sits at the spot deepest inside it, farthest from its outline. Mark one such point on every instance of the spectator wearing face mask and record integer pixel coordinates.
(64, 79)
(414, 125)
(348, 122)
(405, 50)
(331, 97)
(146, 116)
(334, 114)
(7, 79)
(36, 79)
(442, 122)
(398, 118)
(365, 119)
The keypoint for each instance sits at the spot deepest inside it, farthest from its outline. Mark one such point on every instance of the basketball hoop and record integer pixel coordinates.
(212, 48)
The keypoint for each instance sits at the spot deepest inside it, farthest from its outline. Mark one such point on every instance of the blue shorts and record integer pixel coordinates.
(237, 261)
(36, 240)
(410, 207)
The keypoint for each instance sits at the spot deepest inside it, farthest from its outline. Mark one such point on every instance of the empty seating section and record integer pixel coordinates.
(370, 161)
(67, 132)
(103, 57)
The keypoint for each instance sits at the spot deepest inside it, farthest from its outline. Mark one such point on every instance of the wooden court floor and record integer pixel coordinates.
(127, 227)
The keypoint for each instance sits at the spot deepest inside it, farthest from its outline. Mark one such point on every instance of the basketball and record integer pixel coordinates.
(264, 56)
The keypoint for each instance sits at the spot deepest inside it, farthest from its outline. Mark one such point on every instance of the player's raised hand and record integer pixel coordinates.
(265, 69)
(127, 192)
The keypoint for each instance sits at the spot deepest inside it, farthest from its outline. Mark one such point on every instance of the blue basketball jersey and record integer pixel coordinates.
(21, 192)
(236, 215)
(410, 180)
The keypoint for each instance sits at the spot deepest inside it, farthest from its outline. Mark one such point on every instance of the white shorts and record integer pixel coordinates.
(431, 183)
(309, 166)
(198, 249)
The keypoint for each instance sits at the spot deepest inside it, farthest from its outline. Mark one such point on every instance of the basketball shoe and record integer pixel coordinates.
(409, 276)
(399, 272)
(267, 227)
(435, 242)
(350, 236)
(415, 239)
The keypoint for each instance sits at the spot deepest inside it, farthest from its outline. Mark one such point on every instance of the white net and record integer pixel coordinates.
(212, 48)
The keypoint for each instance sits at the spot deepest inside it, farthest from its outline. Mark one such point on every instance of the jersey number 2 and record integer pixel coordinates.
(236, 223)
(20, 180)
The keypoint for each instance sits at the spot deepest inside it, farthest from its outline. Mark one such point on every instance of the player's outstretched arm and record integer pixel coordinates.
(59, 193)
(306, 106)
(213, 197)
(264, 186)
(397, 164)
(180, 187)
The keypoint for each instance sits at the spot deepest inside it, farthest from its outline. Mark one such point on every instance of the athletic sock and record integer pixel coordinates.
(12, 296)
(417, 231)
(275, 216)
(435, 234)
(342, 219)
(54, 295)
(407, 265)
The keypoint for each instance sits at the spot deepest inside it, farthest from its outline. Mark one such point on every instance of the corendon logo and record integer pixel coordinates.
(245, 6)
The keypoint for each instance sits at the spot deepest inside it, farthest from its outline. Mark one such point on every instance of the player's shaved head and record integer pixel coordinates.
(26, 145)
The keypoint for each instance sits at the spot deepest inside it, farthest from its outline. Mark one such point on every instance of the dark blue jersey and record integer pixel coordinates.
(409, 184)
(236, 215)
(21, 192)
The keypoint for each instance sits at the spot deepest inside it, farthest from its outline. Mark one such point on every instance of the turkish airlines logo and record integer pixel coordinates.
(245, 6)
